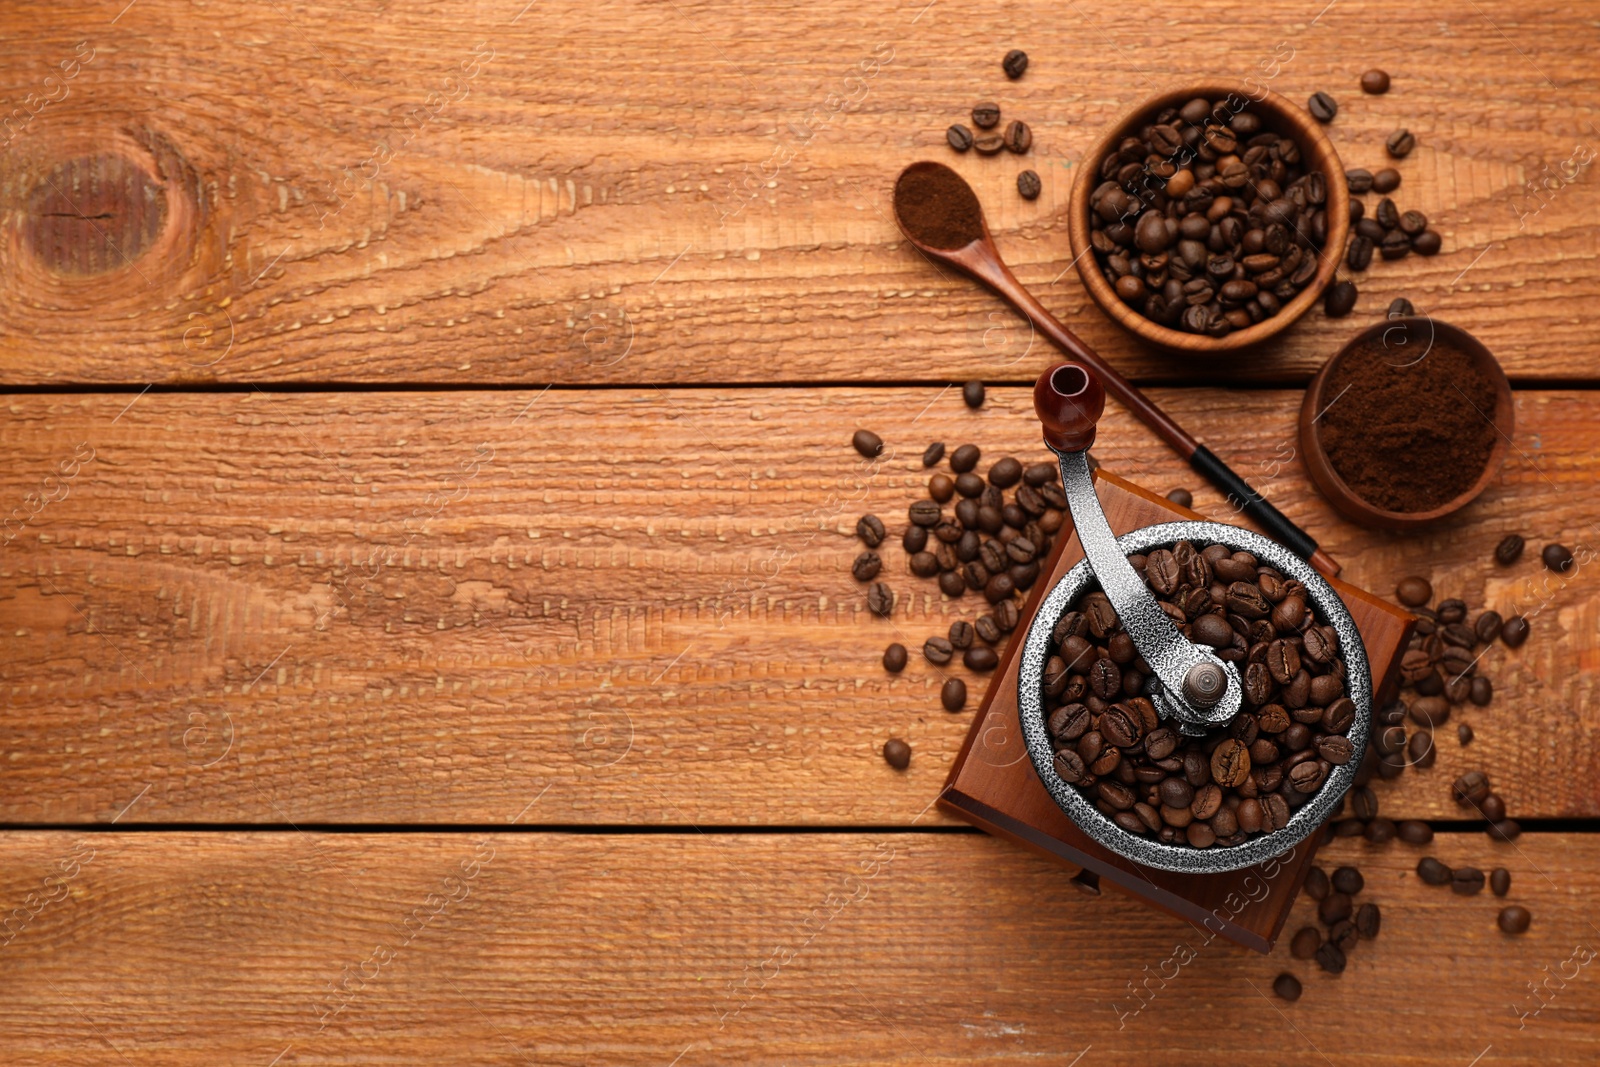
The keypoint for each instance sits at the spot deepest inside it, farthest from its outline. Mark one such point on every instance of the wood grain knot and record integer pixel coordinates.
(94, 214)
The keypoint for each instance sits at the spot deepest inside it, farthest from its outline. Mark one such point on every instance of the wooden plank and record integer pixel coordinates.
(207, 948)
(477, 192)
(428, 607)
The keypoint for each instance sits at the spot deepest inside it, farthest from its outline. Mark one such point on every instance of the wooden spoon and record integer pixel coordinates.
(974, 254)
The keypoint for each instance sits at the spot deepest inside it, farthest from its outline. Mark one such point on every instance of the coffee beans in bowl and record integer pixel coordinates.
(1210, 218)
(1408, 423)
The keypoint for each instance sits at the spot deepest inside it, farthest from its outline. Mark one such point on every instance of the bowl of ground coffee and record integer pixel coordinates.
(1209, 217)
(1408, 423)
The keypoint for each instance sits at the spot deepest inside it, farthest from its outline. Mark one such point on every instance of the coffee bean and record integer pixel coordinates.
(1401, 308)
(1433, 872)
(1015, 63)
(894, 658)
(1330, 958)
(989, 144)
(954, 694)
(1466, 881)
(1413, 223)
(1018, 137)
(1500, 881)
(1464, 735)
(897, 754)
(1487, 627)
(961, 634)
(1386, 180)
(1414, 831)
(1305, 943)
(1452, 610)
(1400, 143)
(1509, 550)
(1421, 751)
(1230, 763)
(1515, 919)
(998, 588)
(1514, 632)
(964, 458)
(980, 659)
(1317, 884)
(1368, 920)
(1340, 299)
(1181, 497)
(1358, 180)
(987, 629)
(1375, 82)
(1287, 986)
(1028, 185)
(867, 443)
(1347, 880)
(880, 600)
(1482, 691)
(1427, 243)
(937, 650)
(1414, 591)
(958, 137)
(1323, 107)
(1493, 807)
(1006, 616)
(1557, 558)
(933, 454)
(1505, 830)
(1395, 245)
(925, 513)
(923, 564)
(1068, 764)
(1005, 473)
(1380, 831)
(1359, 254)
(942, 487)
(871, 531)
(1470, 789)
(986, 116)
(866, 566)
(1386, 214)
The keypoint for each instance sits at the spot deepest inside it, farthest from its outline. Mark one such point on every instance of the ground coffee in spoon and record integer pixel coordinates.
(937, 207)
(1408, 434)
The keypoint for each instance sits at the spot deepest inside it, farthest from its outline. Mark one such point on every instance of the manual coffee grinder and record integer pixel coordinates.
(1005, 779)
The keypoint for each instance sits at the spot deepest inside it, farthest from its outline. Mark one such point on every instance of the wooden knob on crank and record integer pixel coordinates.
(1068, 400)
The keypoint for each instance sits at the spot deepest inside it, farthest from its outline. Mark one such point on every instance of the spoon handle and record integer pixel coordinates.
(994, 273)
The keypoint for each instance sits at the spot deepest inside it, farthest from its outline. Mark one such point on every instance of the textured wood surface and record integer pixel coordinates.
(424, 607)
(180, 949)
(689, 192)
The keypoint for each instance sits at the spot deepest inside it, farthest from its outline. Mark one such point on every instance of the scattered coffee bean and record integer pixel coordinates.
(1347, 880)
(1509, 550)
(1400, 144)
(1323, 107)
(1015, 63)
(989, 144)
(866, 566)
(894, 658)
(1414, 831)
(1359, 255)
(961, 634)
(1557, 558)
(980, 659)
(1005, 473)
(1464, 735)
(972, 394)
(1427, 243)
(1515, 919)
(1433, 872)
(1287, 986)
(1331, 958)
(1481, 691)
(1380, 831)
(914, 540)
(1368, 920)
(964, 458)
(1505, 830)
(986, 116)
(933, 454)
(1375, 82)
(1358, 180)
(1500, 881)
(867, 443)
(1466, 881)
(897, 754)
(1018, 137)
(1401, 308)
(958, 137)
(871, 531)
(1028, 185)
(1340, 299)
(880, 600)
(954, 694)
(1514, 632)
(1386, 180)
(1414, 591)
(1493, 807)
(942, 487)
(937, 650)
(1470, 789)
(1305, 943)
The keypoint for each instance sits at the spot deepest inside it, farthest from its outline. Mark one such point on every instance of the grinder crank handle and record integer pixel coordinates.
(1197, 687)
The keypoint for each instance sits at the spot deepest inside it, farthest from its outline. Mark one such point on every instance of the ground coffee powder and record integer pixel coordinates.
(1408, 434)
(937, 207)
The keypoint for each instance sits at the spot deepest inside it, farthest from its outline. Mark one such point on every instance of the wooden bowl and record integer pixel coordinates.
(1421, 330)
(1278, 115)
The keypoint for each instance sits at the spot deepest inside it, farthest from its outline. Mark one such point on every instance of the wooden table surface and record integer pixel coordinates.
(428, 628)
